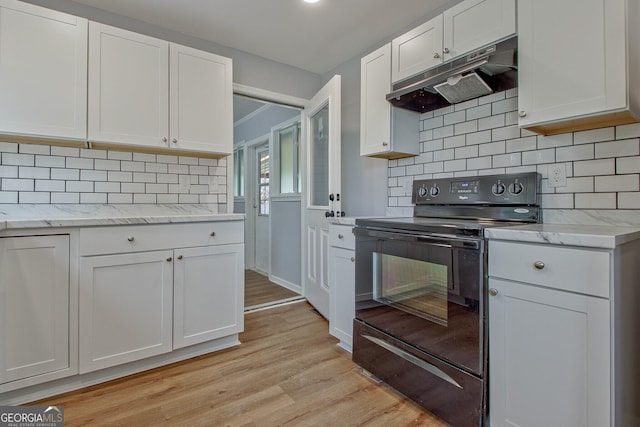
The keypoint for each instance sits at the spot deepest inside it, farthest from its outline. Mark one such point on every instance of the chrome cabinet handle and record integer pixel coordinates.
(436, 55)
(384, 144)
(522, 113)
(164, 139)
(180, 257)
(446, 50)
(169, 259)
(340, 236)
(213, 233)
(353, 259)
(493, 292)
(174, 140)
(539, 265)
(130, 238)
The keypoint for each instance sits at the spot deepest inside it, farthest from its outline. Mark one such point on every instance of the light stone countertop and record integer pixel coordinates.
(14, 216)
(593, 236)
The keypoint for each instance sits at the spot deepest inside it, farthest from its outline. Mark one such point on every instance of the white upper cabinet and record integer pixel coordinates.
(578, 64)
(149, 92)
(201, 100)
(128, 87)
(476, 23)
(43, 72)
(464, 27)
(385, 132)
(417, 50)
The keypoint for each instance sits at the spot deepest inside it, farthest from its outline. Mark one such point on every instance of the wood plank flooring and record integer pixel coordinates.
(288, 371)
(258, 290)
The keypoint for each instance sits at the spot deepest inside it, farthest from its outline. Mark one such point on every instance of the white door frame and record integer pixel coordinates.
(250, 195)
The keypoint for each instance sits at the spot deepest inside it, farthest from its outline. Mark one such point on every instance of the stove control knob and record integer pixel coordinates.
(434, 191)
(516, 188)
(498, 189)
(422, 192)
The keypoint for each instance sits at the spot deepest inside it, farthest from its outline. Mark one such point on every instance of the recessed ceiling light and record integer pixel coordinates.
(311, 1)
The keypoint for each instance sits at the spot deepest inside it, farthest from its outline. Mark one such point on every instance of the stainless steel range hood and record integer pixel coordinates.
(484, 71)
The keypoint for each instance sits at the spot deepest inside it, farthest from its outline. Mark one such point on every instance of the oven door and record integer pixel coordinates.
(424, 290)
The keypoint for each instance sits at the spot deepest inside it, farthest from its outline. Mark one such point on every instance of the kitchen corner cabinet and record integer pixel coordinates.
(147, 290)
(151, 93)
(35, 310)
(342, 283)
(43, 72)
(462, 28)
(385, 131)
(578, 61)
(557, 349)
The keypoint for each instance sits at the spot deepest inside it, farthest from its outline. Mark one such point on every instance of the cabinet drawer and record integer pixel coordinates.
(138, 238)
(583, 271)
(342, 236)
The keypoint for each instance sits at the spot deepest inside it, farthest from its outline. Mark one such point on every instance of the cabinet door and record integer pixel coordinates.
(549, 359)
(475, 23)
(128, 87)
(34, 306)
(417, 50)
(208, 293)
(125, 308)
(201, 97)
(375, 110)
(43, 72)
(569, 70)
(342, 288)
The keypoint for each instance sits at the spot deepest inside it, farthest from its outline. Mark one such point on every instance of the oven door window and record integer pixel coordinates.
(415, 286)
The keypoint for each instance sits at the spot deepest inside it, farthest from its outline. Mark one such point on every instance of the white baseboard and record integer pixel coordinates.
(285, 284)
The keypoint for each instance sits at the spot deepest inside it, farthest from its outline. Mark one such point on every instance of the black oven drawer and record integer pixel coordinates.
(444, 390)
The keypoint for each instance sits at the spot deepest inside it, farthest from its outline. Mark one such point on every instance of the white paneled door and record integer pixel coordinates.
(321, 190)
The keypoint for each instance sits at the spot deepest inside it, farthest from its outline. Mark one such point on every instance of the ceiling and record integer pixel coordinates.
(314, 37)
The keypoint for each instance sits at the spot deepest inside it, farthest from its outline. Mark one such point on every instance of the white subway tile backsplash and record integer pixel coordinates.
(577, 185)
(163, 158)
(130, 187)
(626, 165)
(157, 188)
(453, 118)
(144, 177)
(145, 198)
(553, 141)
(628, 200)
(108, 165)
(503, 133)
(8, 147)
(65, 151)
(507, 160)
(49, 185)
(65, 174)
(188, 198)
(435, 167)
(557, 201)
(479, 163)
(93, 198)
(573, 153)
(433, 123)
(443, 132)
(465, 127)
(620, 148)
(34, 149)
(614, 183)
(479, 112)
(522, 144)
(10, 197)
(454, 141)
(492, 148)
(65, 198)
(120, 198)
(50, 161)
(8, 171)
(34, 197)
(107, 187)
(144, 157)
(415, 169)
(79, 163)
(455, 165)
(466, 152)
(31, 172)
(491, 98)
(15, 159)
(119, 155)
(596, 135)
(117, 176)
(11, 184)
(183, 160)
(167, 198)
(504, 106)
(538, 157)
(595, 201)
(491, 122)
(80, 186)
(628, 131)
(595, 167)
(436, 144)
(93, 175)
(442, 155)
(93, 154)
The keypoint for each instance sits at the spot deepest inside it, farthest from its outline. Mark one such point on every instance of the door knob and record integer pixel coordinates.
(169, 259)
(131, 238)
(436, 55)
(331, 197)
(539, 265)
(522, 113)
(493, 292)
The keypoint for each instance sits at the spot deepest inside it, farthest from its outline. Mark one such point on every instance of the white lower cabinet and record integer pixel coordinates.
(141, 295)
(126, 305)
(342, 283)
(549, 335)
(208, 293)
(35, 310)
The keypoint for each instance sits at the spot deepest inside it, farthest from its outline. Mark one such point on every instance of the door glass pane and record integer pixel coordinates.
(263, 181)
(319, 173)
(415, 286)
(286, 161)
(238, 173)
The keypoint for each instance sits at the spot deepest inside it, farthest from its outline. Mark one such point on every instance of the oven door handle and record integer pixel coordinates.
(433, 240)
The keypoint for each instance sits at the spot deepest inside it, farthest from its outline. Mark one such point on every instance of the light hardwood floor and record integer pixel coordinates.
(258, 290)
(288, 371)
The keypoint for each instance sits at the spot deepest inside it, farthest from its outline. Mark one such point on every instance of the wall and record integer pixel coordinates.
(481, 137)
(31, 173)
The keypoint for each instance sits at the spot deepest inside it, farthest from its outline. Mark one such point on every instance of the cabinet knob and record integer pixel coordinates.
(130, 238)
(213, 234)
(169, 259)
(385, 144)
(446, 50)
(164, 139)
(539, 265)
(522, 113)
(353, 259)
(180, 257)
(436, 55)
(340, 236)
(174, 140)
(493, 292)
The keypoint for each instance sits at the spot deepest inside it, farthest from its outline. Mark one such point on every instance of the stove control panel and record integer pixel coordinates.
(509, 189)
